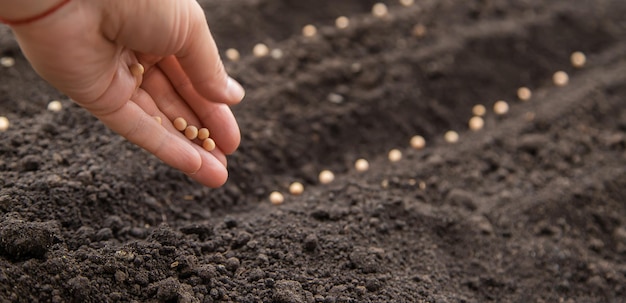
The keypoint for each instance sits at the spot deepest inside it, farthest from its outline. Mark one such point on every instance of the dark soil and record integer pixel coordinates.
(530, 209)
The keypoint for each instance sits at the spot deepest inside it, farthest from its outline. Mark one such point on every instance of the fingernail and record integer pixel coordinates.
(235, 91)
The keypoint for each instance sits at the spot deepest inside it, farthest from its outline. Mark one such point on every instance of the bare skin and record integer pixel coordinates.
(86, 47)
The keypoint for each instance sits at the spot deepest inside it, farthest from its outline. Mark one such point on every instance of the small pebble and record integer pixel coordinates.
(500, 107)
(326, 176)
(451, 136)
(395, 155)
(560, 78)
(578, 59)
(260, 50)
(418, 142)
(524, 93)
(476, 123)
(361, 165)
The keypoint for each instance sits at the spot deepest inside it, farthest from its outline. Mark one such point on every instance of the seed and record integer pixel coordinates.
(501, 107)
(524, 93)
(203, 133)
(276, 53)
(406, 2)
(296, 188)
(395, 155)
(7, 61)
(342, 22)
(479, 110)
(361, 165)
(55, 106)
(560, 78)
(476, 123)
(419, 30)
(158, 119)
(451, 136)
(529, 116)
(136, 69)
(578, 59)
(191, 132)
(326, 176)
(277, 198)
(4, 123)
(418, 142)
(208, 144)
(232, 54)
(309, 30)
(180, 123)
(380, 10)
(260, 50)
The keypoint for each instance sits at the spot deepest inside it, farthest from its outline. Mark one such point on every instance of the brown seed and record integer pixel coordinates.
(380, 10)
(232, 54)
(419, 30)
(4, 123)
(342, 22)
(500, 107)
(451, 136)
(180, 123)
(191, 132)
(395, 155)
(260, 50)
(560, 78)
(309, 30)
(277, 198)
(479, 110)
(203, 133)
(296, 188)
(361, 165)
(55, 106)
(578, 59)
(158, 119)
(418, 142)
(326, 176)
(136, 69)
(208, 144)
(524, 93)
(476, 123)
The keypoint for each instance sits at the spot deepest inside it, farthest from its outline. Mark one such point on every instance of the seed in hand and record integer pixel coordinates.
(180, 123)
(191, 132)
(208, 144)
(203, 133)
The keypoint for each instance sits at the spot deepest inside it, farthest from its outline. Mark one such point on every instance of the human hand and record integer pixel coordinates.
(86, 47)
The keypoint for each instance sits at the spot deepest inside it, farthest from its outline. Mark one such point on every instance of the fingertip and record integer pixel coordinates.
(234, 91)
(212, 173)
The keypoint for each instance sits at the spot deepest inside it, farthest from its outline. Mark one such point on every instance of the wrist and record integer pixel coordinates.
(26, 11)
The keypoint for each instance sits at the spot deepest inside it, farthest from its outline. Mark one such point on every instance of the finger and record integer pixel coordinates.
(217, 117)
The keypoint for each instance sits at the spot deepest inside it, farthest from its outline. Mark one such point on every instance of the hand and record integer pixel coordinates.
(86, 47)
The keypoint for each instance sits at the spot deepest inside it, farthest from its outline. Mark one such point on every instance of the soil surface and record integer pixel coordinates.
(532, 208)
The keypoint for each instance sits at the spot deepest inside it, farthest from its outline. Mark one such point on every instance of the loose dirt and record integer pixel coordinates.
(531, 208)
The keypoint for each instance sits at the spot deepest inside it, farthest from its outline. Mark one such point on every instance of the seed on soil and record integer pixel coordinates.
(419, 30)
(326, 176)
(578, 59)
(180, 123)
(395, 155)
(361, 165)
(158, 119)
(7, 61)
(208, 144)
(309, 30)
(418, 142)
(380, 10)
(55, 106)
(191, 132)
(277, 198)
(4, 123)
(296, 188)
(479, 110)
(476, 123)
(203, 133)
(524, 93)
(342, 22)
(335, 98)
(451, 136)
(260, 50)
(276, 53)
(232, 54)
(500, 107)
(560, 78)
(407, 2)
